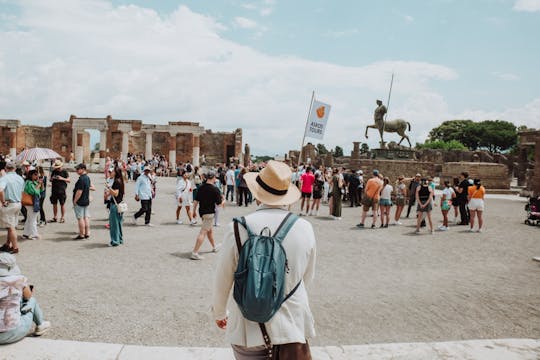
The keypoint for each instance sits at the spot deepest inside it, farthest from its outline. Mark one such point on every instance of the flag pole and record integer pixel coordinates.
(305, 128)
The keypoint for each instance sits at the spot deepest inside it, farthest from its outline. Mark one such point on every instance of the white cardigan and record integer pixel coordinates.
(293, 322)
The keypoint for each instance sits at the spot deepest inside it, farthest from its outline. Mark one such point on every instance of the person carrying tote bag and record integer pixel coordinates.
(32, 189)
(118, 207)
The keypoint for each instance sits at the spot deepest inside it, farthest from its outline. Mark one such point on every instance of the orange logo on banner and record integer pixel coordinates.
(320, 112)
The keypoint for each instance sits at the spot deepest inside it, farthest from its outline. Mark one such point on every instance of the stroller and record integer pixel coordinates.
(533, 211)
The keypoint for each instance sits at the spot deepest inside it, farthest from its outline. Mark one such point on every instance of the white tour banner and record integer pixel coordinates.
(317, 120)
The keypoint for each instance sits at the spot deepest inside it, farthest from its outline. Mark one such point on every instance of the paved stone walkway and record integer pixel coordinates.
(500, 349)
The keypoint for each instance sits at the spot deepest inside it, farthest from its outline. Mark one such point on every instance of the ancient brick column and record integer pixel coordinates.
(79, 151)
(13, 142)
(102, 148)
(196, 150)
(148, 144)
(172, 150)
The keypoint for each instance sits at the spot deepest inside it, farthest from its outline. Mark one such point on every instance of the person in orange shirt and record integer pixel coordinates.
(372, 194)
(476, 203)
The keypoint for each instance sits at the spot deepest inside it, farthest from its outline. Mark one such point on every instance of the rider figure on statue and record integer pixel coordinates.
(378, 115)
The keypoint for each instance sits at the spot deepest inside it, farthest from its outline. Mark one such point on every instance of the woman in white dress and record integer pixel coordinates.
(183, 195)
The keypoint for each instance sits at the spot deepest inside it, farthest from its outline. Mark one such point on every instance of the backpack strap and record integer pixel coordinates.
(285, 226)
(242, 221)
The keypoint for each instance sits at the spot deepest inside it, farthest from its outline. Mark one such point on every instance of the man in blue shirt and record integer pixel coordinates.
(81, 202)
(11, 188)
(143, 192)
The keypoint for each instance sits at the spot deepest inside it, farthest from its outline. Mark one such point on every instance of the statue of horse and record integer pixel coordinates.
(397, 125)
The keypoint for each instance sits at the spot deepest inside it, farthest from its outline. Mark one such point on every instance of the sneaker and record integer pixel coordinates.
(216, 249)
(179, 222)
(399, 223)
(440, 226)
(443, 228)
(195, 256)
(360, 225)
(471, 230)
(193, 222)
(149, 224)
(480, 230)
(42, 329)
(417, 231)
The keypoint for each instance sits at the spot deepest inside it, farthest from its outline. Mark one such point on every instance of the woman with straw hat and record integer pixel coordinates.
(293, 322)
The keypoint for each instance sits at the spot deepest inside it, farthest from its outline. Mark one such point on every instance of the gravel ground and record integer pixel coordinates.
(372, 286)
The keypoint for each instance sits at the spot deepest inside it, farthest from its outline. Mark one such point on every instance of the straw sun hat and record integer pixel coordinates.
(272, 186)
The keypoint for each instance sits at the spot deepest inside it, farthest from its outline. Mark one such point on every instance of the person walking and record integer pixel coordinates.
(59, 181)
(33, 187)
(11, 188)
(424, 199)
(144, 194)
(292, 325)
(42, 178)
(476, 204)
(386, 202)
(401, 195)
(337, 186)
(447, 197)
(461, 197)
(371, 198)
(116, 192)
(18, 306)
(206, 200)
(183, 195)
(243, 192)
(81, 202)
(229, 179)
(412, 192)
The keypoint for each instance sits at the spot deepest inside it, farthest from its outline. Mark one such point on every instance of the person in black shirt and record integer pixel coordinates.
(81, 201)
(116, 191)
(207, 197)
(461, 197)
(59, 181)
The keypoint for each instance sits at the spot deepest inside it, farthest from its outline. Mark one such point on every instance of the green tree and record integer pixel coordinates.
(443, 145)
(463, 131)
(497, 135)
(364, 148)
(338, 151)
(262, 158)
(322, 149)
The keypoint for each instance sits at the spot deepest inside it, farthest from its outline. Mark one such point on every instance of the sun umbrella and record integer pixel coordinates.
(37, 154)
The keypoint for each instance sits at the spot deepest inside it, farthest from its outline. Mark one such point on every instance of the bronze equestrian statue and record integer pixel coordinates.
(397, 125)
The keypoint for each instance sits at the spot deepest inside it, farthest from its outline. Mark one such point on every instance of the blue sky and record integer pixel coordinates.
(253, 64)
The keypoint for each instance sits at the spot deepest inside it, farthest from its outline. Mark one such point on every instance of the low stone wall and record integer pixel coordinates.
(393, 168)
(493, 176)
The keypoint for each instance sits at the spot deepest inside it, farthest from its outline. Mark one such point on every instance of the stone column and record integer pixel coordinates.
(79, 151)
(196, 150)
(125, 145)
(13, 143)
(356, 150)
(148, 144)
(102, 148)
(172, 150)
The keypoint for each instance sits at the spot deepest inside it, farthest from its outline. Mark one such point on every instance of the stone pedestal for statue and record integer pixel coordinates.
(393, 154)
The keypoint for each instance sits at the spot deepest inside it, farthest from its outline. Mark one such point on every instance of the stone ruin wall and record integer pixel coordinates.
(214, 146)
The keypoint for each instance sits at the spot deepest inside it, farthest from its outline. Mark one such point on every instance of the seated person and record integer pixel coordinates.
(18, 308)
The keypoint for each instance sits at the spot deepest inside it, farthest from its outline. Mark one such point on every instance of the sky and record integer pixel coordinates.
(254, 65)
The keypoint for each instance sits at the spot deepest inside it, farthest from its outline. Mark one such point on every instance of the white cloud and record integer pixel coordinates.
(527, 5)
(506, 76)
(408, 18)
(245, 23)
(91, 59)
(264, 8)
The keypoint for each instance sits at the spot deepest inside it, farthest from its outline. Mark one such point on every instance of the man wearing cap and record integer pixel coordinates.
(59, 181)
(11, 188)
(143, 192)
(18, 307)
(293, 322)
(371, 198)
(81, 201)
(207, 197)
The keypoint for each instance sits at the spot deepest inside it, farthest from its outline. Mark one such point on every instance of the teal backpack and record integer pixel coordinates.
(259, 280)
